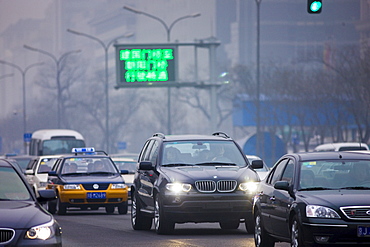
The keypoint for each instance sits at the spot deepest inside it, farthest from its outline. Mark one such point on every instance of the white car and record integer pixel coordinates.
(262, 172)
(37, 171)
(129, 164)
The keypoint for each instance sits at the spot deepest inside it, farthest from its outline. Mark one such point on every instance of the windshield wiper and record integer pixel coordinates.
(316, 188)
(355, 188)
(213, 163)
(178, 164)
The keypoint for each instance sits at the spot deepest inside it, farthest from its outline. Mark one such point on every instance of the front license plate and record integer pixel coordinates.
(363, 231)
(96, 195)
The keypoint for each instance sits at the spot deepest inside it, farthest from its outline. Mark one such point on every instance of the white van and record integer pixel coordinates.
(341, 146)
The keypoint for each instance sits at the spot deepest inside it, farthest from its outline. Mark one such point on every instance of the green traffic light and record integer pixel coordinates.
(315, 6)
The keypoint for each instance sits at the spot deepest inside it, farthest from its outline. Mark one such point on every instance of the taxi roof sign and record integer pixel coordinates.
(83, 150)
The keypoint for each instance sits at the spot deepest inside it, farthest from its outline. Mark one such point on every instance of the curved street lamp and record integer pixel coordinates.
(23, 72)
(106, 47)
(258, 108)
(57, 63)
(168, 31)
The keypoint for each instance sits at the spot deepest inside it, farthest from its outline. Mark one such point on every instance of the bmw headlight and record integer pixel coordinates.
(72, 187)
(118, 186)
(43, 232)
(178, 187)
(321, 212)
(248, 186)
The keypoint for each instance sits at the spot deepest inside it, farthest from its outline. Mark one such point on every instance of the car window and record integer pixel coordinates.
(11, 186)
(202, 152)
(154, 152)
(82, 165)
(145, 155)
(46, 164)
(277, 172)
(288, 172)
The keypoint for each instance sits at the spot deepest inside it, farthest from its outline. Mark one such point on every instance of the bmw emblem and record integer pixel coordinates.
(96, 186)
(368, 212)
(214, 176)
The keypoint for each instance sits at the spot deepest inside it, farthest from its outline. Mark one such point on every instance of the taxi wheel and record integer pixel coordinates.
(61, 208)
(123, 207)
(229, 224)
(138, 220)
(109, 209)
(161, 223)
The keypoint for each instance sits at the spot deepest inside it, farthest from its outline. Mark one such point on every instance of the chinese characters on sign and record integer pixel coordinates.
(145, 64)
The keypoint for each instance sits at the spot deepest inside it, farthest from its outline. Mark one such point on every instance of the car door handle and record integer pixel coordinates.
(272, 198)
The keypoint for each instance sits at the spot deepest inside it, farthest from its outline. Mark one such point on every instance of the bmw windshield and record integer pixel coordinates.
(210, 153)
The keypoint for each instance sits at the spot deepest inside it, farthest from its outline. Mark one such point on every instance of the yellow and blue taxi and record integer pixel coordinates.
(87, 179)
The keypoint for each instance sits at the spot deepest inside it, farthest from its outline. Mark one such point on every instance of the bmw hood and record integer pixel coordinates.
(194, 173)
(336, 198)
(22, 214)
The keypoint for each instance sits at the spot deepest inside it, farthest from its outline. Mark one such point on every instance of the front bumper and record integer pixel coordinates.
(79, 197)
(202, 207)
(334, 232)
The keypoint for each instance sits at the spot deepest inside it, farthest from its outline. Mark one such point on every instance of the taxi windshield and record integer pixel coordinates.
(12, 187)
(88, 165)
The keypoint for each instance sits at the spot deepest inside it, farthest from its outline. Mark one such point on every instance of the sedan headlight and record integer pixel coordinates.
(178, 187)
(43, 232)
(321, 212)
(118, 186)
(248, 186)
(72, 187)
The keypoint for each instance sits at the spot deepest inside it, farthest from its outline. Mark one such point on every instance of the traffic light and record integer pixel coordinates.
(314, 6)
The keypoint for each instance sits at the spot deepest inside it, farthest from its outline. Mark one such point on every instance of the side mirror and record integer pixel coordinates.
(52, 173)
(282, 185)
(257, 164)
(29, 172)
(124, 171)
(146, 166)
(46, 195)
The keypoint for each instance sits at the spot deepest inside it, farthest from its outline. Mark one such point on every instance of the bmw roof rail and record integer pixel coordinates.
(222, 134)
(161, 135)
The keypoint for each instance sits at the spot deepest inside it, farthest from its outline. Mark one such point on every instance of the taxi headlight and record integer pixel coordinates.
(315, 211)
(44, 231)
(248, 186)
(72, 187)
(178, 187)
(118, 186)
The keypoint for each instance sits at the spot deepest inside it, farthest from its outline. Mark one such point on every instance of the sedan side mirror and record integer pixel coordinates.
(282, 185)
(146, 166)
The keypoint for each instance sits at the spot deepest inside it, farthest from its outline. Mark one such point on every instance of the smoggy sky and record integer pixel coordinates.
(12, 11)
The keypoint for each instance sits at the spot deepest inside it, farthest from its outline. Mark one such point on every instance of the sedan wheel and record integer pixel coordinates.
(296, 239)
(261, 238)
(162, 225)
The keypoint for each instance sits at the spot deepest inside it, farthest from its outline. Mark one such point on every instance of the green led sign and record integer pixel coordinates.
(144, 64)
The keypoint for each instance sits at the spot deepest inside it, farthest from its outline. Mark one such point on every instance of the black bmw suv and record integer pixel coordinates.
(193, 178)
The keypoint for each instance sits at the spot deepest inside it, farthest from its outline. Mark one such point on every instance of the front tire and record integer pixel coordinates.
(61, 207)
(261, 237)
(161, 223)
(138, 220)
(52, 206)
(109, 209)
(295, 234)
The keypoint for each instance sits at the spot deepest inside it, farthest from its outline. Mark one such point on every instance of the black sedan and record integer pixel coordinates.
(313, 199)
(23, 221)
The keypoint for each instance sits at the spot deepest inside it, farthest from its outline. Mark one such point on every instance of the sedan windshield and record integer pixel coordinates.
(12, 187)
(88, 165)
(202, 153)
(332, 174)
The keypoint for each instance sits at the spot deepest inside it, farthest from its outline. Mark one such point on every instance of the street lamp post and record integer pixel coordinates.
(23, 72)
(168, 29)
(258, 108)
(57, 63)
(105, 47)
